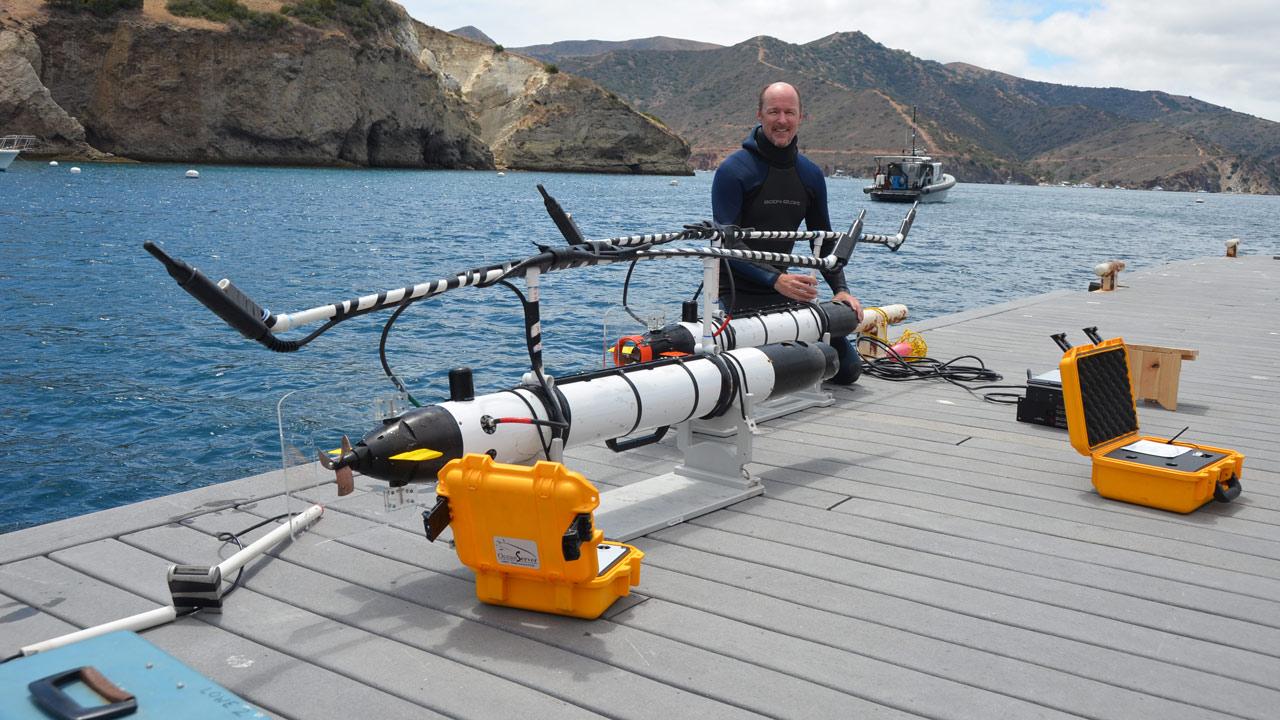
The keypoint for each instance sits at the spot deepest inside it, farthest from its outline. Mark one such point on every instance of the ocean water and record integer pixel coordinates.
(117, 386)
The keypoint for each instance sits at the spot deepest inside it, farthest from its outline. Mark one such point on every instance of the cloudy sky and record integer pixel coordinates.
(1225, 52)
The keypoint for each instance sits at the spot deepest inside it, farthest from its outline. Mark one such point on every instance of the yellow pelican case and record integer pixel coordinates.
(1102, 420)
(529, 534)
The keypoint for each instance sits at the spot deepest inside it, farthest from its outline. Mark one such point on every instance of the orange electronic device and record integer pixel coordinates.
(1102, 420)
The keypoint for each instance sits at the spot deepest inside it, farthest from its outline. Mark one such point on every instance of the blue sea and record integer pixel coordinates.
(118, 387)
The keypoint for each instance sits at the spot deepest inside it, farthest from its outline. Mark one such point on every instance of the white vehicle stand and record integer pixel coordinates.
(712, 476)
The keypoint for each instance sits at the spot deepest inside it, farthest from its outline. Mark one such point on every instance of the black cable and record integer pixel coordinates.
(382, 351)
(235, 538)
(897, 369)
(733, 288)
(626, 284)
(552, 403)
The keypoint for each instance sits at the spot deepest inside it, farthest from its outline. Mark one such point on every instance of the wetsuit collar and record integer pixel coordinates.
(757, 143)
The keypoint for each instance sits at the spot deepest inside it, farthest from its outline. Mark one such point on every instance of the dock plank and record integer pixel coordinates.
(385, 664)
(917, 553)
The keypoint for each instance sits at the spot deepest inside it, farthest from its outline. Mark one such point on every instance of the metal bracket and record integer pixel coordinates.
(712, 476)
(394, 498)
(772, 408)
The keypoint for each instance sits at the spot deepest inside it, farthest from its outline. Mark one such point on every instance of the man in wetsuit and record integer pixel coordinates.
(769, 185)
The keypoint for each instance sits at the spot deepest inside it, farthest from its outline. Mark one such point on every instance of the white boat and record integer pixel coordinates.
(909, 177)
(11, 145)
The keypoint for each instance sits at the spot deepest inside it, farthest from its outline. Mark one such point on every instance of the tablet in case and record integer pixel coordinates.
(1102, 421)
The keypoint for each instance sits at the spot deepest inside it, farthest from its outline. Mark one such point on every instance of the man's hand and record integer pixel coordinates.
(797, 287)
(851, 301)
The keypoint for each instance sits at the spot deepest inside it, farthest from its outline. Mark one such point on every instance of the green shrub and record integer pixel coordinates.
(266, 22)
(229, 11)
(101, 8)
(497, 49)
(360, 17)
(551, 69)
(215, 10)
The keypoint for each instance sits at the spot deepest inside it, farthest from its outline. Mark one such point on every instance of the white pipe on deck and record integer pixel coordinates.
(162, 615)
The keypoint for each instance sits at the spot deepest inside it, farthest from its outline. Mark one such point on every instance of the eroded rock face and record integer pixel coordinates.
(148, 86)
(27, 108)
(535, 119)
(167, 93)
(154, 91)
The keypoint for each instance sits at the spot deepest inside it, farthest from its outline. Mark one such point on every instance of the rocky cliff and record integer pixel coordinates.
(26, 104)
(534, 117)
(148, 85)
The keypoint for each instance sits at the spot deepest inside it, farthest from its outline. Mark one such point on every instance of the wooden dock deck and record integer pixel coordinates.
(917, 553)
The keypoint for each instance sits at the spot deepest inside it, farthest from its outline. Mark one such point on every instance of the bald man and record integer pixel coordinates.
(769, 185)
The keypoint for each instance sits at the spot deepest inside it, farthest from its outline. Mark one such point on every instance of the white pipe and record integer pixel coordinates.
(141, 621)
(297, 523)
(162, 615)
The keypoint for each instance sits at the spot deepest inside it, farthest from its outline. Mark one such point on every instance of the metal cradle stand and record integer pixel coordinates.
(776, 407)
(712, 476)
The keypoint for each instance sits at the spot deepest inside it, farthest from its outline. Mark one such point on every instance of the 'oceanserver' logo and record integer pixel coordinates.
(781, 202)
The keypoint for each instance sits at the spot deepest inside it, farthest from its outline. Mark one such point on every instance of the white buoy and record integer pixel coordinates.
(501, 174)
(193, 174)
(674, 182)
(53, 163)
(75, 171)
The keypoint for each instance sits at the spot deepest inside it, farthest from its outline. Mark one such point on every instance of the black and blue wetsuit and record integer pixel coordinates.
(764, 187)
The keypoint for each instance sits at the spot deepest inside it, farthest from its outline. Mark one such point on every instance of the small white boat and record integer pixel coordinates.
(909, 177)
(11, 146)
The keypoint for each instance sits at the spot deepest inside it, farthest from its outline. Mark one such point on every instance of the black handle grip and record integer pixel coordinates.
(1092, 334)
(1061, 339)
(1227, 491)
(47, 693)
(568, 228)
(234, 311)
(844, 248)
(617, 445)
(435, 520)
(579, 532)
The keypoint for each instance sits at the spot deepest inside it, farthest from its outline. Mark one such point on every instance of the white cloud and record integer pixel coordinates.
(1222, 53)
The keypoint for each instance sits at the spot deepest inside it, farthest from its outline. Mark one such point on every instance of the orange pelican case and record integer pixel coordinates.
(528, 533)
(1102, 420)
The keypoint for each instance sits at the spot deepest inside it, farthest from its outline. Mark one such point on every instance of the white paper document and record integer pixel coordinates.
(1159, 449)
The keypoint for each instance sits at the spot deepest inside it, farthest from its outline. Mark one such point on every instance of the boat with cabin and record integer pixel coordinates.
(11, 146)
(909, 177)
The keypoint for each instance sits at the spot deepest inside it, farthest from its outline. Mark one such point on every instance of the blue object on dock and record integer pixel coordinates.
(52, 685)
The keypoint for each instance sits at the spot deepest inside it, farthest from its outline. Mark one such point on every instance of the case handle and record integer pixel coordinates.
(1227, 491)
(48, 694)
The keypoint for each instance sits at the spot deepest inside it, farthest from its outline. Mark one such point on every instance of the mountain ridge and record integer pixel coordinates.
(556, 51)
(985, 125)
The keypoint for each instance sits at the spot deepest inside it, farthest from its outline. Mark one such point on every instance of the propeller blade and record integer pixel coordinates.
(327, 458)
(345, 475)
